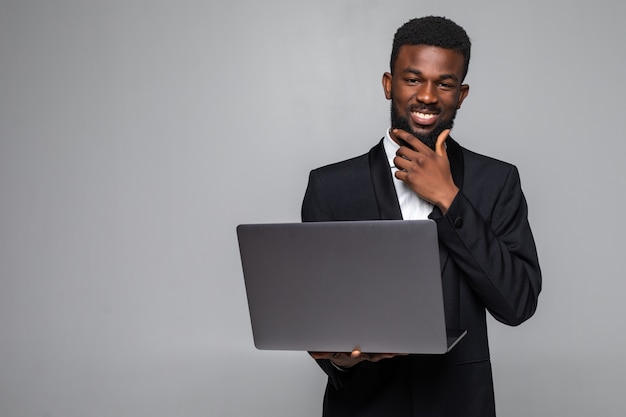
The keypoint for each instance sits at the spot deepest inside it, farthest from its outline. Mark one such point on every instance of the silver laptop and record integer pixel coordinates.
(337, 286)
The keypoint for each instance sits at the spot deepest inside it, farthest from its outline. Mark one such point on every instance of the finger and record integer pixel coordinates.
(376, 357)
(319, 355)
(404, 153)
(355, 353)
(401, 163)
(411, 141)
(387, 355)
(395, 135)
(440, 146)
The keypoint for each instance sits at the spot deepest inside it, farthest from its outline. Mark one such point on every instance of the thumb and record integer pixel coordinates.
(440, 146)
(319, 355)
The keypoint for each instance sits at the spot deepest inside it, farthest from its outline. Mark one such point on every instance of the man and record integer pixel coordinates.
(487, 252)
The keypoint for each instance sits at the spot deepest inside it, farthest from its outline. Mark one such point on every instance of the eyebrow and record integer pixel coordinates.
(441, 77)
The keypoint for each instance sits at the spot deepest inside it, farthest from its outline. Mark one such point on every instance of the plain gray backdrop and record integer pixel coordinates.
(135, 135)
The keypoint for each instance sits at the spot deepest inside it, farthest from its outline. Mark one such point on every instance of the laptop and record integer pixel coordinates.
(337, 286)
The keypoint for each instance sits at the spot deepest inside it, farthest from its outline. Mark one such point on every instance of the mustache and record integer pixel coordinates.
(425, 108)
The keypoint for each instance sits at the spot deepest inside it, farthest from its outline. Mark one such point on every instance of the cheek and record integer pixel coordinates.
(402, 97)
(404, 93)
(451, 104)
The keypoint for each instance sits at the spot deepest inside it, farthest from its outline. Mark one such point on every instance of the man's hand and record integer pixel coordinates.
(427, 172)
(349, 359)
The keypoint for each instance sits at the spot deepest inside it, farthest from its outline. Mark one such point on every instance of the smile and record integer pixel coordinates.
(424, 115)
(423, 118)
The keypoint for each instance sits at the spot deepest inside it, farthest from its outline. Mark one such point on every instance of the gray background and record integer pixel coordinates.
(135, 135)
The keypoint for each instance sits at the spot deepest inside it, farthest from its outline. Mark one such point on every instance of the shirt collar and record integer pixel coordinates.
(391, 148)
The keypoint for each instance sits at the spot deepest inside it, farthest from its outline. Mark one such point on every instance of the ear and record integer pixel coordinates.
(462, 94)
(387, 85)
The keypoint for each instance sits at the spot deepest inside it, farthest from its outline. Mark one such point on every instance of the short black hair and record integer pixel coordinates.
(434, 31)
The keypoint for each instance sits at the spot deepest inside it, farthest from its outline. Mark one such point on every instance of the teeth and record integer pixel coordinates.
(424, 115)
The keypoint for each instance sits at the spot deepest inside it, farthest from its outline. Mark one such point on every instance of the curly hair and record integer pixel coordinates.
(433, 31)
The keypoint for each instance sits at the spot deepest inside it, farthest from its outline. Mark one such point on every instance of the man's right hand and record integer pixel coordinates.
(349, 359)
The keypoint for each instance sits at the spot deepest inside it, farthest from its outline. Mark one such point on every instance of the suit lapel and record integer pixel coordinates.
(457, 167)
(385, 191)
(457, 163)
(450, 282)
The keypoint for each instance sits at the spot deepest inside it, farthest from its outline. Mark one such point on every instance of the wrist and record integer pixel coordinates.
(339, 368)
(446, 201)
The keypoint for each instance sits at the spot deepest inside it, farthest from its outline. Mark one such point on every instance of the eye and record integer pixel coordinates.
(446, 86)
(412, 81)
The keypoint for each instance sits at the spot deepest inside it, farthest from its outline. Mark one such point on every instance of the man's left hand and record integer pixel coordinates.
(427, 172)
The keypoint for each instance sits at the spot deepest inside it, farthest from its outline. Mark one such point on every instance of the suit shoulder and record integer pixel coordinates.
(339, 168)
(487, 164)
(355, 164)
(487, 178)
(341, 191)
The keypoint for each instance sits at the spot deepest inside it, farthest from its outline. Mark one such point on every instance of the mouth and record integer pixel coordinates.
(423, 119)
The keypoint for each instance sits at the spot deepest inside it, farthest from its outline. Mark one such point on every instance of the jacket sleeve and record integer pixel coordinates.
(315, 208)
(497, 256)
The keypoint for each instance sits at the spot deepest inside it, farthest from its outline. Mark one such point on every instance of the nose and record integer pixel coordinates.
(427, 93)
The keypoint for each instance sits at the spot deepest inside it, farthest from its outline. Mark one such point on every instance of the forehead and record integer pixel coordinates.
(429, 60)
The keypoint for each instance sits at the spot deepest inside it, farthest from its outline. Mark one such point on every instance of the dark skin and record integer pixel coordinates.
(426, 88)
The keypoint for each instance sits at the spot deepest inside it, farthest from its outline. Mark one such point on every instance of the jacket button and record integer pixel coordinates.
(458, 222)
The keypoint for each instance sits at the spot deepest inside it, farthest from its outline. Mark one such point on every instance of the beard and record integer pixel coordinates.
(430, 139)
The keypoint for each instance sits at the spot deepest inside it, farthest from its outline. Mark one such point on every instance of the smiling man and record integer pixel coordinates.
(488, 256)
(426, 91)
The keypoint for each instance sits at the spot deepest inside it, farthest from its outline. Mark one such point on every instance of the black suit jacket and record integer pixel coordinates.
(488, 262)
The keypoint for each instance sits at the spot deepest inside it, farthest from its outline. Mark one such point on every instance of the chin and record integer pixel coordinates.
(420, 131)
